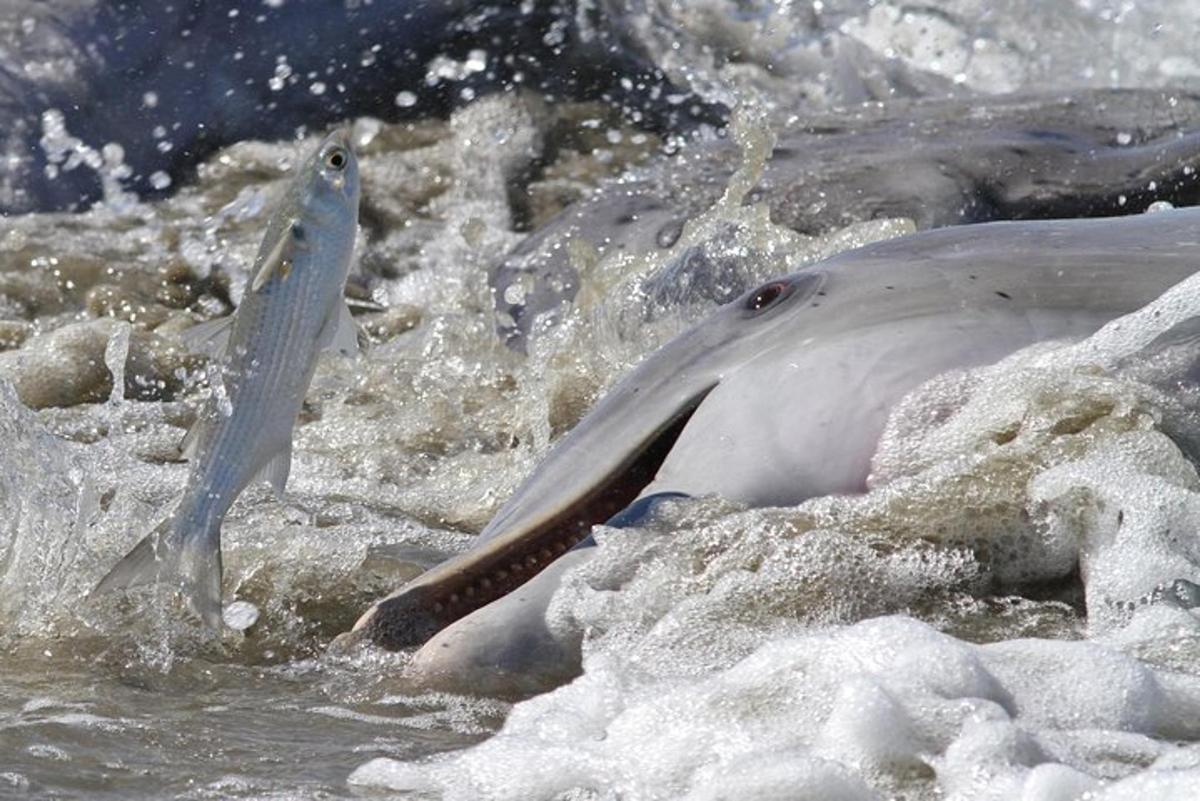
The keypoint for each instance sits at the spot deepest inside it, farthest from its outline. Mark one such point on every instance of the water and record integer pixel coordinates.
(849, 648)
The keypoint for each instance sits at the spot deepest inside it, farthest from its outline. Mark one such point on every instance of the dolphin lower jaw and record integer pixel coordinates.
(465, 583)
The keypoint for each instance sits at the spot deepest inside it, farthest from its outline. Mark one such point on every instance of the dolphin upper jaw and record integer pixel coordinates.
(519, 544)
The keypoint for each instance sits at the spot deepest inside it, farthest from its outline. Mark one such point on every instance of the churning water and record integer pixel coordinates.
(973, 628)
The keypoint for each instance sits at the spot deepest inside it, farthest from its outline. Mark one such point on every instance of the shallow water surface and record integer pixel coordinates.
(85, 728)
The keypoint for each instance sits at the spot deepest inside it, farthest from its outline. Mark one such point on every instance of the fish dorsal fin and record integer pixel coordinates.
(340, 332)
(275, 472)
(210, 338)
(278, 261)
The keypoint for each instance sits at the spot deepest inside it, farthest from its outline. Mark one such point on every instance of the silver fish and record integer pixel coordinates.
(292, 309)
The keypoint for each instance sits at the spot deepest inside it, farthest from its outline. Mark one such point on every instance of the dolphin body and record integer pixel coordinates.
(777, 397)
(938, 162)
(171, 82)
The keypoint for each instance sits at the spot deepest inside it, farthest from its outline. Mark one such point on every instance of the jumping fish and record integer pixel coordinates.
(291, 311)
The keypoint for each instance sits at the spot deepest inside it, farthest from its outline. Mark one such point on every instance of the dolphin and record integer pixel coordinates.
(938, 162)
(165, 84)
(775, 398)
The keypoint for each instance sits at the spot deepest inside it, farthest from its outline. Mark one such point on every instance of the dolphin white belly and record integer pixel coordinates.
(803, 421)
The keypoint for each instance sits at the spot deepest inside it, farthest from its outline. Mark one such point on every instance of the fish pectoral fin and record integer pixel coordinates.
(275, 472)
(340, 333)
(191, 441)
(210, 338)
(279, 259)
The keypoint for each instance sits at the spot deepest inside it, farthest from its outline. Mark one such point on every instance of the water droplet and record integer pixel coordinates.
(669, 234)
(514, 294)
(317, 88)
(476, 61)
(113, 153)
(240, 615)
(160, 180)
(406, 99)
(473, 231)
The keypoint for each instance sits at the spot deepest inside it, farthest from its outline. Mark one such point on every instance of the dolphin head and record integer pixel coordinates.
(776, 397)
(597, 469)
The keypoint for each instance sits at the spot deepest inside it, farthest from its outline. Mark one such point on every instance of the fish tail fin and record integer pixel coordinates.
(193, 560)
(199, 570)
(142, 565)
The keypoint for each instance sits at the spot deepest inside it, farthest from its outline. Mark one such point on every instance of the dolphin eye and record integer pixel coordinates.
(766, 295)
(335, 159)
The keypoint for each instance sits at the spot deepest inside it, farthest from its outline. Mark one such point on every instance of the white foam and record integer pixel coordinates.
(857, 710)
(721, 642)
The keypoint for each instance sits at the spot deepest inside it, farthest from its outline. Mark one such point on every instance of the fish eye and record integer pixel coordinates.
(336, 159)
(766, 295)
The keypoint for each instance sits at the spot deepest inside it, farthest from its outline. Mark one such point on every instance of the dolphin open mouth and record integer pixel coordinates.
(498, 566)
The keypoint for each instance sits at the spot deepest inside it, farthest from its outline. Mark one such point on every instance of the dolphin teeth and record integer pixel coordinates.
(453, 598)
(485, 583)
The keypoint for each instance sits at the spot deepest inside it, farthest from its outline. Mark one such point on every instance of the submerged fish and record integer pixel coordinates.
(292, 309)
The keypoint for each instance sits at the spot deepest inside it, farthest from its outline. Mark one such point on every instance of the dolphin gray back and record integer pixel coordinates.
(1094, 265)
